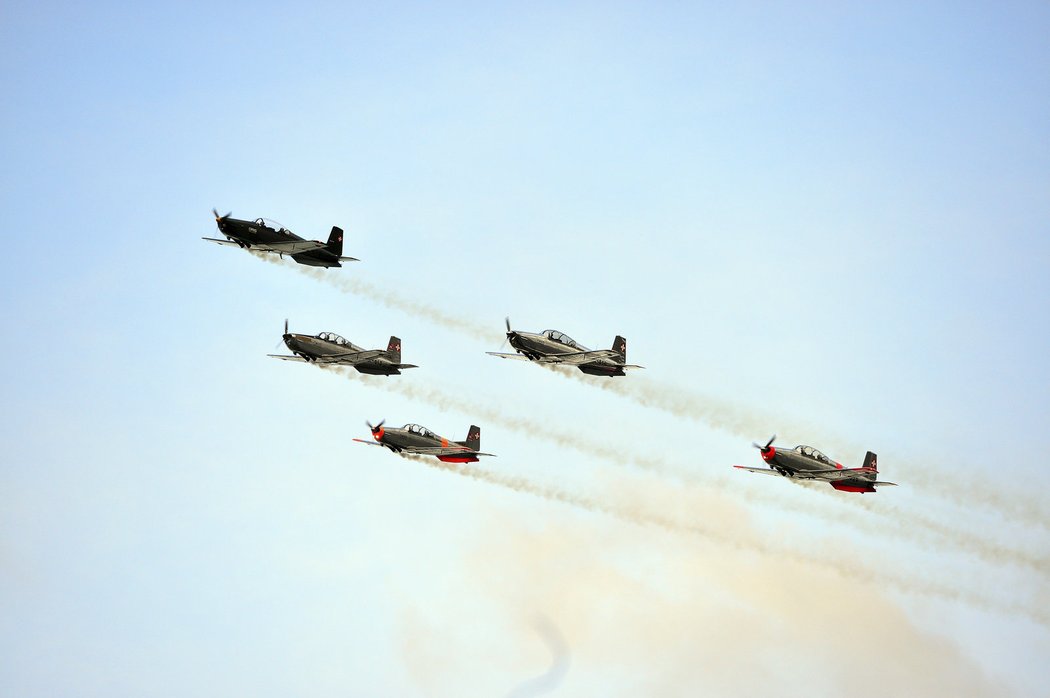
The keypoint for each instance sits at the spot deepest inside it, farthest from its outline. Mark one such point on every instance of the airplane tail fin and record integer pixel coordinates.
(393, 350)
(335, 241)
(620, 347)
(473, 441)
(870, 461)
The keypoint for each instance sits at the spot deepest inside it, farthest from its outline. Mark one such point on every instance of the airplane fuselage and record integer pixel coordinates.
(535, 346)
(803, 461)
(250, 234)
(400, 439)
(312, 348)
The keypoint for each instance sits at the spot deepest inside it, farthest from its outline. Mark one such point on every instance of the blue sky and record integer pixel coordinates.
(825, 221)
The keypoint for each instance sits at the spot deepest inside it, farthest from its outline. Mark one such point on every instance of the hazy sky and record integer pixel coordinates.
(825, 221)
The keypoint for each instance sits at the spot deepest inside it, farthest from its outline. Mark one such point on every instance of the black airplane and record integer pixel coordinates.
(329, 349)
(416, 440)
(807, 463)
(264, 235)
(554, 347)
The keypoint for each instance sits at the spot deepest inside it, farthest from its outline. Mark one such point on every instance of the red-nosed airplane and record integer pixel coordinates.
(807, 463)
(416, 440)
(557, 348)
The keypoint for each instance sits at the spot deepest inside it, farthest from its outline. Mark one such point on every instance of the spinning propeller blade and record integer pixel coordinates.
(768, 444)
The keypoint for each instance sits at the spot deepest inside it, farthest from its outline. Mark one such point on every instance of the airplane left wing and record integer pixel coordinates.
(286, 358)
(763, 471)
(222, 242)
(519, 357)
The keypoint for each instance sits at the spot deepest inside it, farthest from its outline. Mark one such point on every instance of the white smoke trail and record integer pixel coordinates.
(848, 569)
(909, 526)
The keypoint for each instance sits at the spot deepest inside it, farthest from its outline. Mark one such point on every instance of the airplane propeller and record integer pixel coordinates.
(219, 218)
(510, 333)
(377, 430)
(769, 443)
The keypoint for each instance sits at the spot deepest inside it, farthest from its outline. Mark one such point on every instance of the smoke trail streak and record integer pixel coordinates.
(909, 526)
(845, 568)
(729, 417)
(409, 306)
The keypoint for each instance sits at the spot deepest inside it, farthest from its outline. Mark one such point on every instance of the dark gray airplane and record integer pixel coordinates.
(807, 463)
(417, 440)
(330, 349)
(264, 235)
(554, 347)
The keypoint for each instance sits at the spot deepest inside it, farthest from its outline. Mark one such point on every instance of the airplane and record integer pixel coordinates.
(265, 235)
(329, 349)
(807, 463)
(416, 440)
(554, 347)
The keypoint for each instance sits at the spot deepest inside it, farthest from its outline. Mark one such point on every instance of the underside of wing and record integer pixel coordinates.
(222, 242)
(290, 247)
(584, 357)
(838, 475)
(368, 443)
(762, 471)
(444, 451)
(519, 357)
(350, 358)
(286, 358)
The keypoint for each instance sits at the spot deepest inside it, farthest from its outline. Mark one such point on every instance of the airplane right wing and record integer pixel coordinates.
(519, 357)
(290, 247)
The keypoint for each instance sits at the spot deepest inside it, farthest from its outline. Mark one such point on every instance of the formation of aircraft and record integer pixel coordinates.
(328, 348)
(807, 463)
(264, 235)
(416, 440)
(548, 347)
(554, 347)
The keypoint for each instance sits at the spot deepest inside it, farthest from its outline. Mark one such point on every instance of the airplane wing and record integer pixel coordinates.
(444, 451)
(519, 357)
(836, 475)
(584, 357)
(368, 443)
(763, 471)
(287, 358)
(349, 358)
(290, 247)
(221, 242)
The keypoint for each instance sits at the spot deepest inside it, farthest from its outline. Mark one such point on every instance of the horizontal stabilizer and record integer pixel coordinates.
(349, 259)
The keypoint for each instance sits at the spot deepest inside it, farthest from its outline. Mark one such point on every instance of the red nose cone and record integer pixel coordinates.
(769, 453)
(378, 434)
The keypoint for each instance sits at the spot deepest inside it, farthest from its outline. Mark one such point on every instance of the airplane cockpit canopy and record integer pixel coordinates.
(421, 431)
(333, 337)
(813, 453)
(272, 224)
(563, 339)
